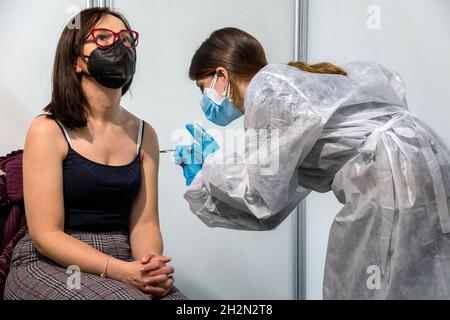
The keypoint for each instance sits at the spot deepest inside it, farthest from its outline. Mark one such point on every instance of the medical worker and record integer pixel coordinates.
(328, 128)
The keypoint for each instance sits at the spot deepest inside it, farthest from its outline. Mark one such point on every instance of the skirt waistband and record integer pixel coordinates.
(113, 243)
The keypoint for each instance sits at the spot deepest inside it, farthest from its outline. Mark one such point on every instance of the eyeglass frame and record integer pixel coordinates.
(115, 34)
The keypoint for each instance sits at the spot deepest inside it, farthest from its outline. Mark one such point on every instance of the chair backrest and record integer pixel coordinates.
(11, 196)
(3, 203)
(12, 212)
(3, 197)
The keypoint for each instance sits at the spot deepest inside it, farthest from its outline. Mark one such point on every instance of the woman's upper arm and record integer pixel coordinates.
(145, 206)
(42, 177)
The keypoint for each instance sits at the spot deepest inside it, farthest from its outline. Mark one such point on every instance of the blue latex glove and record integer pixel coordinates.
(191, 157)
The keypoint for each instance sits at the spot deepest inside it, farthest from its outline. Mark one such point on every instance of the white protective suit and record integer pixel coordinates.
(355, 136)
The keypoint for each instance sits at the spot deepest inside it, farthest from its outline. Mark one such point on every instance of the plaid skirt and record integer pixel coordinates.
(33, 276)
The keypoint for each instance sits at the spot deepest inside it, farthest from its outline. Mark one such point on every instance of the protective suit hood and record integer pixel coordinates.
(352, 135)
(366, 82)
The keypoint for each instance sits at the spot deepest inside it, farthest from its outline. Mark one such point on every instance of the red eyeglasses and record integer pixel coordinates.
(105, 37)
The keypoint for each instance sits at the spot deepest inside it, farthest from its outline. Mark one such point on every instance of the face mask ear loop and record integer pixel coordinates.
(228, 91)
(213, 84)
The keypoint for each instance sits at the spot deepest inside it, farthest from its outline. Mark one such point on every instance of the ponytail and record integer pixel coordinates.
(323, 67)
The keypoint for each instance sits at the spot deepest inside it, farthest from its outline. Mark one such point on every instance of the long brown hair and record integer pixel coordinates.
(242, 56)
(322, 67)
(68, 103)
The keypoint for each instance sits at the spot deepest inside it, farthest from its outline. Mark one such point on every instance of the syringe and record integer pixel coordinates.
(167, 151)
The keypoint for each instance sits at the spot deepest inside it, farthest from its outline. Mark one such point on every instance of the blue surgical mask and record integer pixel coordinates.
(218, 109)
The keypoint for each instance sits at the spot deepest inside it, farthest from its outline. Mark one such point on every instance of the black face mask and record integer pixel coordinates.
(112, 67)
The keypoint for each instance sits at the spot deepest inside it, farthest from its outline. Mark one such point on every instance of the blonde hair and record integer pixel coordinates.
(322, 67)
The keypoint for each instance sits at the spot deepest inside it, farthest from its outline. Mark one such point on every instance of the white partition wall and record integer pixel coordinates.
(210, 263)
(412, 37)
(33, 28)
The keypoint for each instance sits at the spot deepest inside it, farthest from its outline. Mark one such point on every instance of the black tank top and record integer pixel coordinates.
(98, 197)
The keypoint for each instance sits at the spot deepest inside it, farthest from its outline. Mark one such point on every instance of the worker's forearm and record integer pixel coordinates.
(146, 239)
(67, 251)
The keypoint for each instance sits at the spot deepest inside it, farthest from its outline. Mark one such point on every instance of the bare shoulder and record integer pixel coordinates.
(45, 135)
(150, 133)
(43, 124)
(150, 144)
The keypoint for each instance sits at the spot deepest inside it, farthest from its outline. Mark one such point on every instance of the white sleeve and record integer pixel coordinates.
(257, 190)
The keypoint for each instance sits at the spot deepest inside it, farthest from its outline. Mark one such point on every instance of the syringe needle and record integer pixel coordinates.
(167, 151)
